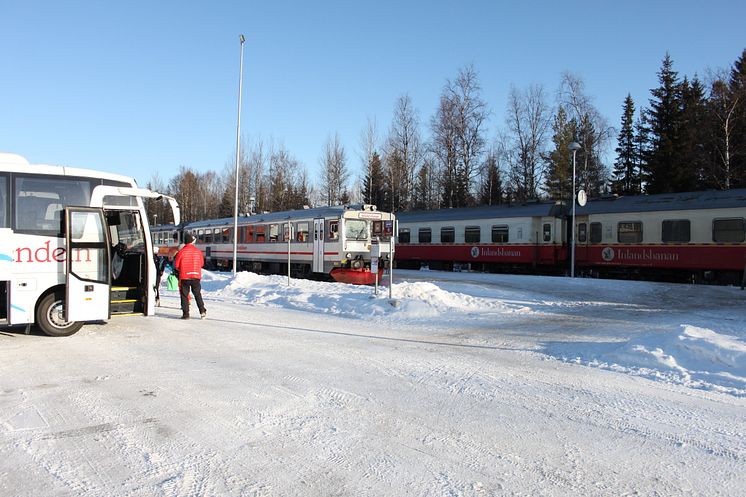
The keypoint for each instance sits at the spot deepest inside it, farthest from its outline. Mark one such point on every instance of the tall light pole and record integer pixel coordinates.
(574, 146)
(238, 154)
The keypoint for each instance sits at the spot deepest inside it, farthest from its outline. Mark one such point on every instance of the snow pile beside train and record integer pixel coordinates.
(416, 301)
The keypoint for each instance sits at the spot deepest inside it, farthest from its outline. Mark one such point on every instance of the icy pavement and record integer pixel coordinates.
(473, 385)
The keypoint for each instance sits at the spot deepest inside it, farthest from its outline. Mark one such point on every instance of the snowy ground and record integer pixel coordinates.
(473, 385)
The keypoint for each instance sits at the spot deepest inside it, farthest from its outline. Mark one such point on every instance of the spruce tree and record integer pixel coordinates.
(737, 85)
(642, 146)
(590, 172)
(559, 162)
(625, 180)
(694, 135)
(664, 120)
(491, 191)
(374, 183)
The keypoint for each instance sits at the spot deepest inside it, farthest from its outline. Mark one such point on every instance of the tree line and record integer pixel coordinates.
(691, 136)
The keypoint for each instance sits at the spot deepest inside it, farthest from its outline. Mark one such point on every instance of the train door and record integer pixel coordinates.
(318, 245)
(88, 275)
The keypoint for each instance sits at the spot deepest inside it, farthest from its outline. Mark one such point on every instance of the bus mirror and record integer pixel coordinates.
(175, 209)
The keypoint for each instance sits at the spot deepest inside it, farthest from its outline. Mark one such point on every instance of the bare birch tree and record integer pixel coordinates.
(471, 116)
(334, 173)
(528, 118)
(403, 153)
(594, 132)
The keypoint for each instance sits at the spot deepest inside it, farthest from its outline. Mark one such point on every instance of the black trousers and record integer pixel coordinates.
(195, 286)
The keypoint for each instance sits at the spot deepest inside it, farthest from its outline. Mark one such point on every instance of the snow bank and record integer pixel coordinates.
(693, 356)
(416, 301)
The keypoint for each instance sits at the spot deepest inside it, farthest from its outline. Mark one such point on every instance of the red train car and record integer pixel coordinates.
(691, 236)
(514, 237)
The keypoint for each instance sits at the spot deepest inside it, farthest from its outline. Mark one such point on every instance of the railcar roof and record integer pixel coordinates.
(714, 199)
(485, 212)
(316, 212)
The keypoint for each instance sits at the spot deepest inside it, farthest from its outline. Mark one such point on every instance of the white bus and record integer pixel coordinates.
(74, 246)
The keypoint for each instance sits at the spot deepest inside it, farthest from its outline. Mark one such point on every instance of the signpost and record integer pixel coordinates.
(375, 253)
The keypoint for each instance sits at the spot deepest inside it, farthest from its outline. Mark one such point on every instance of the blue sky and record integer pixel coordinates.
(139, 87)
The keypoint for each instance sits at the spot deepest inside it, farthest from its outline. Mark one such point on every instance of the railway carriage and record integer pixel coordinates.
(506, 237)
(692, 236)
(327, 241)
(167, 237)
(678, 236)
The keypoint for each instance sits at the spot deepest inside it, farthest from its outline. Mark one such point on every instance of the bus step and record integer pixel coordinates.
(126, 307)
(124, 293)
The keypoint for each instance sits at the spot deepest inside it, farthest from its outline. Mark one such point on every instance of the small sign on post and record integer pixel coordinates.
(375, 253)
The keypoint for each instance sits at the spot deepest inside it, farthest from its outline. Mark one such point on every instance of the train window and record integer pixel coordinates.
(582, 232)
(274, 232)
(286, 232)
(629, 232)
(377, 228)
(249, 234)
(729, 230)
(302, 232)
(404, 235)
(425, 235)
(201, 236)
(547, 232)
(175, 236)
(676, 230)
(472, 234)
(356, 229)
(500, 234)
(208, 236)
(333, 230)
(447, 235)
(596, 232)
(261, 233)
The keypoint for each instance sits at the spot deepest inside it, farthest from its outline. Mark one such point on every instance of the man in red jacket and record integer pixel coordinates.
(188, 263)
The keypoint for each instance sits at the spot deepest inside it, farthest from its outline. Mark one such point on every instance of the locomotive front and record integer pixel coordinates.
(367, 239)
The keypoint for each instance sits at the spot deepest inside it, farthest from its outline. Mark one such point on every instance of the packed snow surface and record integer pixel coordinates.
(462, 384)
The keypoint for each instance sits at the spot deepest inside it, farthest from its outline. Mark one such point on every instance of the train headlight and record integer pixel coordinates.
(348, 255)
(357, 264)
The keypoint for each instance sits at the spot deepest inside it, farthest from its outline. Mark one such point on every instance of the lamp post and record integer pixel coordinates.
(574, 146)
(238, 154)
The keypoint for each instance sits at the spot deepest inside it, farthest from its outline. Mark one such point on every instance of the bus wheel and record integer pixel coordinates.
(50, 316)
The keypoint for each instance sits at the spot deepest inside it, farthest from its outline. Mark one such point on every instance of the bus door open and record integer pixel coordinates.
(318, 245)
(88, 278)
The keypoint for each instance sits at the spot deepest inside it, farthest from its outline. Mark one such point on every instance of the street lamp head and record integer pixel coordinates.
(242, 39)
(573, 146)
